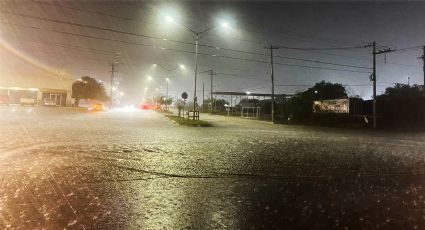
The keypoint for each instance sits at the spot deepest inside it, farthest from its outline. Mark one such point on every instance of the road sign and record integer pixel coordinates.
(184, 95)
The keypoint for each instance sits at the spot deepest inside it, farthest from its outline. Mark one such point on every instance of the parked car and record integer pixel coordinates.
(4, 99)
(27, 101)
(49, 102)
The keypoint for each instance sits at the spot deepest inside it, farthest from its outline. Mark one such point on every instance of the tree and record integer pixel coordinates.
(162, 100)
(218, 105)
(301, 104)
(180, 105)
(402, 90)
(401, 106)
(88, 88)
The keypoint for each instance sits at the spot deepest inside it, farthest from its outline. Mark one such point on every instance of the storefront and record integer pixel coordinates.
(58, 95)
(14, 95)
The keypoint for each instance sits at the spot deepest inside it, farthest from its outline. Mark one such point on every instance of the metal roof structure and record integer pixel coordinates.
(249, 94)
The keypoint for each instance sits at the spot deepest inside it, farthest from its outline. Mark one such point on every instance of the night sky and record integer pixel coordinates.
(84, 38)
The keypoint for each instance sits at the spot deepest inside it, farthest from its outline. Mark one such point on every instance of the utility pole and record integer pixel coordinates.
(423, 64)
(271, 47)
(166, 98)
(196, 70)
(203, 96)
(373, 76)
(374, 84)
(112, 85)
(212, 85)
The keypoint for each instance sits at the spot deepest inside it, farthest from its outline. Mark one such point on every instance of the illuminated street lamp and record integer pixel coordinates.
(225, 24)
(197, 35)
(169, 19)
(181, 66)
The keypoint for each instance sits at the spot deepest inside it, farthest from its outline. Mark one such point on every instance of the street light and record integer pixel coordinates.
(197, 35)
(166, 100)
(169, 19)
(169, 70)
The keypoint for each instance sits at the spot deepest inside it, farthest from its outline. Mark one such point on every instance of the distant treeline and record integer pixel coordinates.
(400, 107)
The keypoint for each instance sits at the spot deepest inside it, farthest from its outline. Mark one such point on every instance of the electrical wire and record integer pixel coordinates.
(299, 48)
(187, 43)
(192, 52)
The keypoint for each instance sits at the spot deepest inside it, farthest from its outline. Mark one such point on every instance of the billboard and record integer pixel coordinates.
(332, 106)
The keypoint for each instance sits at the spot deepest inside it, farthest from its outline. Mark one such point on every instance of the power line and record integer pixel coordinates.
(322, 62)
(185, 51)
(132, 19)
(294, 48)
(106, 52)
(190, 43)
(321, 48)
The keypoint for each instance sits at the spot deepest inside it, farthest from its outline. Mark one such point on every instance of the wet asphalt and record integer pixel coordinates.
(63, 168)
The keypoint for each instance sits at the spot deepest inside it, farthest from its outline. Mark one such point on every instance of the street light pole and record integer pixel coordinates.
(196, 70)
(112, 84)
(197, 36)
(166, 99)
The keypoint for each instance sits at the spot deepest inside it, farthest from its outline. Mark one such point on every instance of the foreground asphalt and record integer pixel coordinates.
(62, 168)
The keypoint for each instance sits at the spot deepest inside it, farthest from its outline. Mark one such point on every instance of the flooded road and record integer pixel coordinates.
(62, 168)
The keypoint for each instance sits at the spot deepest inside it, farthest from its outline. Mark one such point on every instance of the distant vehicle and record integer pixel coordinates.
(4, 99)
(149, 106)
(96, 107)
(27, 101)
(49, 102)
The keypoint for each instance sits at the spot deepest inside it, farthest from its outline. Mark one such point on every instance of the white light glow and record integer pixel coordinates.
(169, 19)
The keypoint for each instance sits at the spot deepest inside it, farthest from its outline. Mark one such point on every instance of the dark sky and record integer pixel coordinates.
(84, 41)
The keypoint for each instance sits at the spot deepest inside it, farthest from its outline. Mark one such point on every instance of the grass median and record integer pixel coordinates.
(189, 122)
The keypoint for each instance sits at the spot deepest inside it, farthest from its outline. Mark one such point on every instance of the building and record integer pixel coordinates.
(23, 76)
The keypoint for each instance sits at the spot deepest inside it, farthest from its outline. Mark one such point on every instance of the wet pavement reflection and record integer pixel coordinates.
(62, 169)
